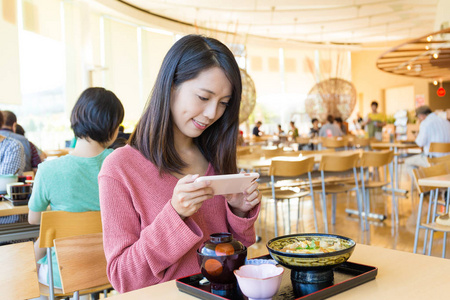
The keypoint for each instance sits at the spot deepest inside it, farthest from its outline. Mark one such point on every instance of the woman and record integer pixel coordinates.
(70, 182)
(154, 216)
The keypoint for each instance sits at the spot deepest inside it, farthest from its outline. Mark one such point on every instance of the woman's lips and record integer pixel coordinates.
(199, 125)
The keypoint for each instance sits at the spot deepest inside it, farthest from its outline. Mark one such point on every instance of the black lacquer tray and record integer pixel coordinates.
(346, 276)
(16, 202)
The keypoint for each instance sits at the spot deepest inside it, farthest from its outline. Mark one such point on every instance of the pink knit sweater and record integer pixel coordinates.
(145, 240)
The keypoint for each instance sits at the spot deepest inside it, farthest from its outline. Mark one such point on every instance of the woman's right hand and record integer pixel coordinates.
(188, 196)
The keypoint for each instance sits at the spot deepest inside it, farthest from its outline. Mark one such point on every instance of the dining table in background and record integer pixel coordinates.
(441, 181)
(7, 209)
(396, 146)
(401, 275)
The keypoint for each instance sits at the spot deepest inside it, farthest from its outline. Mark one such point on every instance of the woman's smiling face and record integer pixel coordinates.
(199, 102)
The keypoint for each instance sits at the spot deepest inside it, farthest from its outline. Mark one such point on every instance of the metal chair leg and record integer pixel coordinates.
(419, 214)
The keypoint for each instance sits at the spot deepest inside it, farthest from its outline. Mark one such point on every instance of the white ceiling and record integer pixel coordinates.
(319, 21)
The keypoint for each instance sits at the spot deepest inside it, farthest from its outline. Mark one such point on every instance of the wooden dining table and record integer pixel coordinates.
(442, 181)
(7, 209)
(401, 275)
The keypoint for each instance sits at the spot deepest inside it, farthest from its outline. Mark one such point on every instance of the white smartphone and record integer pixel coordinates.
(230, 183)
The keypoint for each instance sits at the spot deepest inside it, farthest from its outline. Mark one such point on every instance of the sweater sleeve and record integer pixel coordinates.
(243, 229)
(138, 257)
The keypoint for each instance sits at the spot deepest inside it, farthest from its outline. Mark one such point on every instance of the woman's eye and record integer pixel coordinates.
(203, 98)
(225, 103)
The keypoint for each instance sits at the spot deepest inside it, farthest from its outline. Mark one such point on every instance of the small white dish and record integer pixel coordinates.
(260, 261)
(259, 282)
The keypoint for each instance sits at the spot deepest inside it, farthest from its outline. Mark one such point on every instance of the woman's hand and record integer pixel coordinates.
(188, 195)
(241, 204)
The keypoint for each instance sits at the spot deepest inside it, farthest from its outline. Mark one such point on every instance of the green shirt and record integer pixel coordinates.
(68, 183)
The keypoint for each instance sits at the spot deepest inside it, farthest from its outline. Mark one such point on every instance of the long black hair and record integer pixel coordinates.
(153, 135)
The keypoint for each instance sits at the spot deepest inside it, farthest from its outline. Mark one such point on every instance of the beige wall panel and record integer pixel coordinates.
(49, 18)
(266, 82)
(9, 11)
(154, 49)
(256, 63)
(290, 65)
(274, 64)
(30, 16)
(9, 62)
(122, 66)
(298, 82)
(76, 72)
(371, 82)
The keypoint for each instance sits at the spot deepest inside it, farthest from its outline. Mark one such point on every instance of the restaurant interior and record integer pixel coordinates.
(299, 61)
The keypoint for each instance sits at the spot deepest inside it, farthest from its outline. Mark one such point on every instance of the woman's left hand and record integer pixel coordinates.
(242, 203)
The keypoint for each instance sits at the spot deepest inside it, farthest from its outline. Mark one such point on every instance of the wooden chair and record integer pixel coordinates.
(272, 152)
(437, 160)
(341, 142)
(439, 148)
(61, 224)
(18, 274)
(429, 224)
(358, 143)
(323, 151)
(377, 159)
(82, 263)
(338, 163)
(282, 169)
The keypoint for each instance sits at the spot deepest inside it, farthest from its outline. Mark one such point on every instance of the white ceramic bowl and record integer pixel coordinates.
(259, 281)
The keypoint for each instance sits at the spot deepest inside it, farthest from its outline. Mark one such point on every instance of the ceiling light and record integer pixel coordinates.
(436, 55)
(408, 67)
(427, 48)
(435, 82)
(429, 38)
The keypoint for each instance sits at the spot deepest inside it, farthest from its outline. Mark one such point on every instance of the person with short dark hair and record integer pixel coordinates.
(8, 129)
(70, 182)
(330, 129)
(12, 156)
(341, 125)
(314, 132)
(12, 162)
(375, 121)
(36, 153)
(256, 131)
(122, 133)
(432, 129)
(293, 132)
(155, 216)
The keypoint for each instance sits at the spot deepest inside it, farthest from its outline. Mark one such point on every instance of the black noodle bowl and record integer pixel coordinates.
(305, 261)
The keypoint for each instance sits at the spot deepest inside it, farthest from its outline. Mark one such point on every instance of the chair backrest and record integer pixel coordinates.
(60, 224)
(437, 160)
(338, 163)
(361, 142)
(18, 273)
(439, 147)
(423, 172)
(302, 140)
(376, 158)
(290, 168)
(335, 142)
(269, 153)
(308, 152)
(81, 261)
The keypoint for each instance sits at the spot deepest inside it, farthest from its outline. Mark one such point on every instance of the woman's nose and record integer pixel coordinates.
(210, 110)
